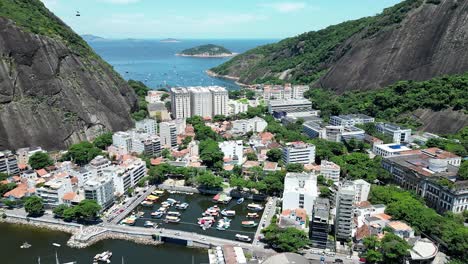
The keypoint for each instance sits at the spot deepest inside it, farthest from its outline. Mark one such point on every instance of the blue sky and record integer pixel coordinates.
(209, 18)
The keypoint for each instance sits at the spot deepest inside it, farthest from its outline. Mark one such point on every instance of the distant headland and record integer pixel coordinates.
(207, 51)
(170, 40)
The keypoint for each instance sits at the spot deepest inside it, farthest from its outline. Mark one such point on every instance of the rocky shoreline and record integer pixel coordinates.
(228, 77)
(111, 235)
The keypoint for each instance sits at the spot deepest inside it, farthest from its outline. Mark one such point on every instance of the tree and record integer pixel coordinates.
(394, 248)
(251, 156)
(40, 160)
(82, 153)
(325, 192)
(87, 210)
(164, 96)
(166, 153)
(209, 180)
(463, 171)
(34, 206)
(294, 167)
(103, 141)
(286, 240)
(4, 188)
(210, 153)
(3, 176)
(274, 154)
(59, 210)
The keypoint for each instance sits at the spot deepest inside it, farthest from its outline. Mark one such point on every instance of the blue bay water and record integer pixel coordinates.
(155, 63)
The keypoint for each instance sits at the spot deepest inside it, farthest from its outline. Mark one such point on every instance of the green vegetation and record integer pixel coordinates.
(371, 129)
(391, 249)
(59, 210)
(209, 49)
(207, 179)
(394, 103)
(274, 154)
(202, 132)
(33, 16)
(3, 176)
(294, 167)
(403, 205)
(285, 240)
(40, 160)
(309, 54)
(463, 171)
(325, 192)
(82, 153)
(34, 206)
(270, 183)
(461, 149)
(103, 141)
(251, 156)
(140, 90)
(359, 166)
(4, 188)
(211, 154)
(86, 210)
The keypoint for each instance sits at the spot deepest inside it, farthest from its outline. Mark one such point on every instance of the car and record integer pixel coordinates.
(338, 260)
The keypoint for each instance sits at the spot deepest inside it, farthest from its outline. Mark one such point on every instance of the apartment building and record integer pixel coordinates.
(52, 192)
(330, 170)
(201, 101)
(350, 120)
(220, 98)
(397, 133)
(127, 174)
(299, 152)
(286, 92)
(180, 103)
(237, 107)
(148, 126)
(331, 132)
(344, 212)
(243, 126)
(362, 189)
(123, 140)
(23, 154)
(319, 224)
(168, 134)
(100, 189)
(300, 191)
(8, 163)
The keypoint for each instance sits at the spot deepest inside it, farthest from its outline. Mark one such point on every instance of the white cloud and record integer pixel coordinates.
(286, 7)
(121, 2)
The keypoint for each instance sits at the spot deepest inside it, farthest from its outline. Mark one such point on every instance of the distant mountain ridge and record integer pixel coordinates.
(413, 40)
(54, 90)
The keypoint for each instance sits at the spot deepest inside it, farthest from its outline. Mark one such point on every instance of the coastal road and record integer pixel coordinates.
(128, 208)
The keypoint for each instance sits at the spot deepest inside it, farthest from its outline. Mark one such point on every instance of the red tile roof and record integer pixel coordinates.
(156, 161)
(41, 172)
(69, 196)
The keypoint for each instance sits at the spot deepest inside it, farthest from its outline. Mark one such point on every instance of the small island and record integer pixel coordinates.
(207, 51)
(170, 40)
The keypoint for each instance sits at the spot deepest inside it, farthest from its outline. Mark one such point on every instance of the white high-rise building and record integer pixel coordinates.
(362, 189)
(180, 103)
(330, 170)
(149, 126)
(236, 107)
(122, 140)
(220, 98)
(8, 162)
(397, 133)
(53, 191)
(127, 174)
(300, 191)
(168, 134)
(100, 189)
(299, 152)
(201, 101)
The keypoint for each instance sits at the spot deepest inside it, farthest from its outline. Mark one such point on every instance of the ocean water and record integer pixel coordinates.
(155, 63)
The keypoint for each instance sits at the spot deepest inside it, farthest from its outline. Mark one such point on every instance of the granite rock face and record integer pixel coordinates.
(431, 41)
(53, 97)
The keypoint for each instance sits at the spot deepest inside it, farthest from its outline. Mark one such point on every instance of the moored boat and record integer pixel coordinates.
(103, 257)
(157, 192)
(252, 215)
(148, 224)
(25, 245)
(129, 221)
(243, 238)
(228, 212)
(147, 203)
(172, 219)
(254, 207)
(173, 213)
(240, 200)
(157, 214)
(182, 206)
(249, 224)
(152, 198)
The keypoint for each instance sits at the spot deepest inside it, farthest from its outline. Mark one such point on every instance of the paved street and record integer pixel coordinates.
(122, 211)
(268, 213)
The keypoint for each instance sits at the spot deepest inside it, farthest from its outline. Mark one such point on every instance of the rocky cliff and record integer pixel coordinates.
(413, 40)
(51, 95)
